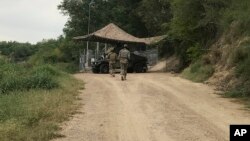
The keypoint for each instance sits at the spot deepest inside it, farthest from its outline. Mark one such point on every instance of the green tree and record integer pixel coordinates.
(120, 12)
(17, 51)
(156, 15)
(195, 22)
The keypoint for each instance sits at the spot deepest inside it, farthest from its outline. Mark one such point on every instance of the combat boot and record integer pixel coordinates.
(122, 78)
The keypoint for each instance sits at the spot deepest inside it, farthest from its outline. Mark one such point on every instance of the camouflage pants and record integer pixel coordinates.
(124, 67)
(112, 68)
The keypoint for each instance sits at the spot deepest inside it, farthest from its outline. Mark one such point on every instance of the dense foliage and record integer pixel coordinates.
(61, 53)
(17, 51)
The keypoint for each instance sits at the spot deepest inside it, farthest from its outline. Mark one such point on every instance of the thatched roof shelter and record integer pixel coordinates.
(113, 34)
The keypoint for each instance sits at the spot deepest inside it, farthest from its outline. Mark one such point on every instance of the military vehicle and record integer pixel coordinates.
(137, 63)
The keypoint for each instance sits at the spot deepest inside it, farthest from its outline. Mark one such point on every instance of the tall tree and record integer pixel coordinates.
(156, 14)
(120, 12)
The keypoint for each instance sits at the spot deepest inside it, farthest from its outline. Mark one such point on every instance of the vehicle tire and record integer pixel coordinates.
(145, 68)
(138, 68)
(104, 68)
(130, 70)
(95, 71)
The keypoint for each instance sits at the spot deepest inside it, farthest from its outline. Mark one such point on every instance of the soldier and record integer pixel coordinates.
(112, 57)
(124, 56)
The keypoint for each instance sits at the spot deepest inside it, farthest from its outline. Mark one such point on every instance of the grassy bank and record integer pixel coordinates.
(33, 111)
(236, 56)
(241, 59)
(198, 72)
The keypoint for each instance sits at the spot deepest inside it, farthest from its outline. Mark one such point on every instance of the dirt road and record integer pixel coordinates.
(151, 107)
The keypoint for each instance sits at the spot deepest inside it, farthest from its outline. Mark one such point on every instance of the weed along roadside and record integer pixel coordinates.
(34, 101)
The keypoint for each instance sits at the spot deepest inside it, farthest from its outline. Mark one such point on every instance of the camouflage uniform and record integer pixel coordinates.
(124, 56)
(112, 57)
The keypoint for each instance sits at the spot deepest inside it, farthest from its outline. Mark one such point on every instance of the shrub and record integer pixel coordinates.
(238, 11)
(47, 69)
(243, 69)
(10, 83)
(194, 52)
(40, 80)
(240, 91)
(67, 67)
(37, 81)
(239, 55)
(241, 59)
(198, 71)
(15, 78)
(243, 72)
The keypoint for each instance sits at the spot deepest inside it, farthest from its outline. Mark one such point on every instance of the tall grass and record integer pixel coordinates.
(34, 115)
(241, 58)
(34, 101)
(16, 77)
(198, 71)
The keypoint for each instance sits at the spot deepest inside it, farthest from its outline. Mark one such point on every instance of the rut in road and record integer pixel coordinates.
(151, 107)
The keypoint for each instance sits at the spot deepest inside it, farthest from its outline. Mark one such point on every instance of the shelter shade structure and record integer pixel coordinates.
(115, 36)
(112, 34)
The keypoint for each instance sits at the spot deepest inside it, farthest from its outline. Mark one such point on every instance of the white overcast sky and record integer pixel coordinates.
(30, 20)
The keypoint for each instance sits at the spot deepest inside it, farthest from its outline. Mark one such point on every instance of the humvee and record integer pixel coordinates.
(137, 63)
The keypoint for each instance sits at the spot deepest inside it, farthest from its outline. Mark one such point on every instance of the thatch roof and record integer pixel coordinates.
(113, 34)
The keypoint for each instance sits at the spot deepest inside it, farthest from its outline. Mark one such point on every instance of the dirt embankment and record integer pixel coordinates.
(151, 107)
(223, 56)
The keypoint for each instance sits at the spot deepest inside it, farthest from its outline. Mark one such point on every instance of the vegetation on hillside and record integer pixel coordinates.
(241, 60)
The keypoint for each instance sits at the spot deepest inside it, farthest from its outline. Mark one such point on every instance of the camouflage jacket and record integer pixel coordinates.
(112, 57)
(124, 56)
